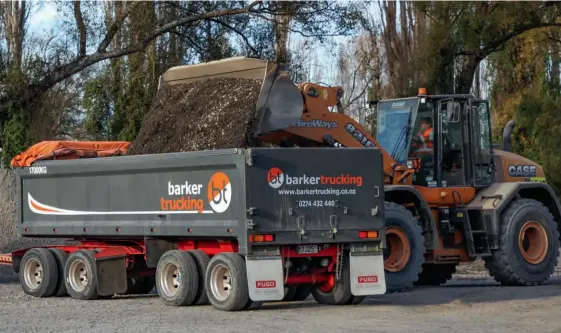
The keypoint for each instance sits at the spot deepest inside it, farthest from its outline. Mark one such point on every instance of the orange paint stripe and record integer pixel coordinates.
(36, 206)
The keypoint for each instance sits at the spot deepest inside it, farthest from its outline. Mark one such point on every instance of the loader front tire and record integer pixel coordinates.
(405, 249)
(528, 245)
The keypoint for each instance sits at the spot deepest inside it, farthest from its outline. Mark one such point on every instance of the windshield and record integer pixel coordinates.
(393, 128)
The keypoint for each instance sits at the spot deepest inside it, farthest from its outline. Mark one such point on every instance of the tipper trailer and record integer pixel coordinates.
(232, 227)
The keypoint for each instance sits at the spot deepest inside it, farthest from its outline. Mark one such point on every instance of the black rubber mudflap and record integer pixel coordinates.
(111, 275)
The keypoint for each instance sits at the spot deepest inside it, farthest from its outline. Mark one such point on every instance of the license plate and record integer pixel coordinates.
(307, 249)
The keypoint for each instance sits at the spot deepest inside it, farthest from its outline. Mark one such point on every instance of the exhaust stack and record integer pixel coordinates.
(507, 136)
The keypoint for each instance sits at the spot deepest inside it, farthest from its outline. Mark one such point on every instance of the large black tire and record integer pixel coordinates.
(60, 258)
(341, 292)
(402, 277)
(80, 267)
(507, 264)
(436, 274)
(297, 293)
(140, 285)
(202, 259)
(38, 274)
(231, 264)
(177, 289)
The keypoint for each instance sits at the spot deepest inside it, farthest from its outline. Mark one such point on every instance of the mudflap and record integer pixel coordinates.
(111, 275)
(265, 277)
(367, 271)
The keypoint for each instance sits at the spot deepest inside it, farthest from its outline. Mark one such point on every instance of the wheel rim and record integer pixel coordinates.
(398, 249)
(78, 275)
(170, 280)
(221, 282)
(532, 242)
(33, 273)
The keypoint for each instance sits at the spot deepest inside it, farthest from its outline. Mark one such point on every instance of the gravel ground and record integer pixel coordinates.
(475, 304)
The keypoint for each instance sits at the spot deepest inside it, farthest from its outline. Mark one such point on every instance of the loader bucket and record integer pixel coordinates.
(280, 103)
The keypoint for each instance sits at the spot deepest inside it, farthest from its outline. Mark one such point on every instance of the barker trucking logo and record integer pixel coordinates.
(185, 198)
(189, 197)
(276, 178)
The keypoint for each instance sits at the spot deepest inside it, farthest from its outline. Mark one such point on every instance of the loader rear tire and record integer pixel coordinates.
(38, 273)
(436, 274)
(80, 276)
(226, 282)
(177, 278)
(528, 245)
(405, 249)
(60, 257)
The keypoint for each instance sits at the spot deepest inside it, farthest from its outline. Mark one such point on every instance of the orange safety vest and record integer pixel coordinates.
(427, 138)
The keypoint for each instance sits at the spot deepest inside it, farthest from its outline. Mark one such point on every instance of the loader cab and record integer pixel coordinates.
(449, 134)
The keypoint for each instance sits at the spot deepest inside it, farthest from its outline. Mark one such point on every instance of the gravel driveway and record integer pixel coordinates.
(471, 302)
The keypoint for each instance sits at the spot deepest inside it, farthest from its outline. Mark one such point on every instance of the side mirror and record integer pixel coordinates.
(507, 136)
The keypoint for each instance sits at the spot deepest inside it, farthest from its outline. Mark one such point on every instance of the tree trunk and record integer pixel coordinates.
(14, 16)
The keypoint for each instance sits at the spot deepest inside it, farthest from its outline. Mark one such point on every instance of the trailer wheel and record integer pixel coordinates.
(60, 258)
(226, 282)
(528, 245)
(38, 273)
(80, 275)
(355, 300)
(140, 285)
(297, 293)
(335, 292)
(202, 259)
(404, 253)
(177, 278)
(436, 274)
(252, 305)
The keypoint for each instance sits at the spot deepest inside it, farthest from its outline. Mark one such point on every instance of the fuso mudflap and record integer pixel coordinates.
(265, 278)
(367, 274)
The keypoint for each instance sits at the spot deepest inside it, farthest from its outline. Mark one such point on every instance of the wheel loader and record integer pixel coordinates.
(451, 196)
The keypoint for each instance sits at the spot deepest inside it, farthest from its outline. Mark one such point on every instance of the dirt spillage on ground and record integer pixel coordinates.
(203, 115)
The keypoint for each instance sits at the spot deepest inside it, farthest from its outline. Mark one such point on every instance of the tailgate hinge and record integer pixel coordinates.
(301, 222)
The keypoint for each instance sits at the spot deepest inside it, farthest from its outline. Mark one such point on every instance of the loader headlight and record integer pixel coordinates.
(410, 164)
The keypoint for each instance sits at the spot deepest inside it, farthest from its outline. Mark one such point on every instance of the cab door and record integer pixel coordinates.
(481, 144)
(452, 170)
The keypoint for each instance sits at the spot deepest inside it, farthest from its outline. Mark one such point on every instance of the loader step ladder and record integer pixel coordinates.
(475, 233)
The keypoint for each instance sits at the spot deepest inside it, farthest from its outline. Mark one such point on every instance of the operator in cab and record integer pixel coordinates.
(423, 141)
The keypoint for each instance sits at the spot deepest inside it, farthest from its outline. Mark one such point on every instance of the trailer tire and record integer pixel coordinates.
(252, 305)
(355, 300)
(298, 293)
(60, 258)
(38, 273)
(403, 232)
(202, 259)
(436, 274)
(219, 268)
(80, 267)
(513, 265)
(340, 294)
(140, 285)
(177, 278)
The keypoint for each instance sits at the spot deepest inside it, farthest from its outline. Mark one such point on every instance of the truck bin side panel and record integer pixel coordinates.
(316, 195)
(172, 195)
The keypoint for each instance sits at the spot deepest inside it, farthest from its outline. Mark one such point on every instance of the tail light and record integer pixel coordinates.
(367, 234)
(261, 238)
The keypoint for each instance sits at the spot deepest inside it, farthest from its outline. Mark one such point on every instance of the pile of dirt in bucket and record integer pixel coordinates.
(203, 115)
